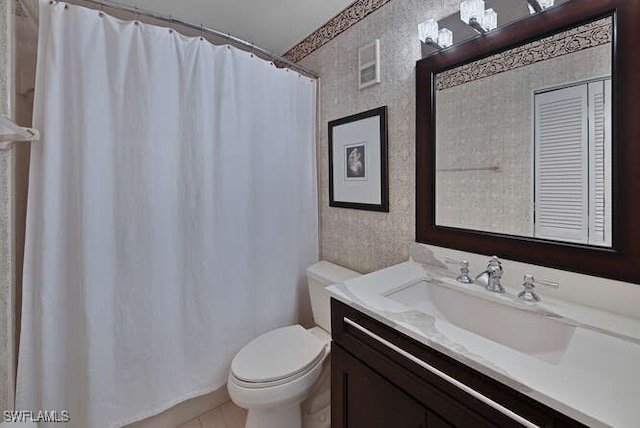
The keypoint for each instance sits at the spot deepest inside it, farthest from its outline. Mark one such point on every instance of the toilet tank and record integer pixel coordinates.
(319, 276)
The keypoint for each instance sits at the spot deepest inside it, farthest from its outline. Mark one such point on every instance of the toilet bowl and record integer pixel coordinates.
(282, 377)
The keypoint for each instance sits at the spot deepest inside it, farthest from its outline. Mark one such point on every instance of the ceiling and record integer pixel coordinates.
(274, 25)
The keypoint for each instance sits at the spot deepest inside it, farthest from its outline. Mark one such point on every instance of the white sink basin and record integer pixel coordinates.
(522, 329)
(578, 360)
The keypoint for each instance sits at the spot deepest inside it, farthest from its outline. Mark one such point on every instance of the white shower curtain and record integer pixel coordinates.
(172, 213)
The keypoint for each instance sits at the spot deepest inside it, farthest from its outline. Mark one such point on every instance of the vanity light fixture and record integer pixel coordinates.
(536, 6)
(429, 34)
(472, 12)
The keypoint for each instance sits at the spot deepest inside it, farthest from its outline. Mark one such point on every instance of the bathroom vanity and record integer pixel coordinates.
(414, 348)
(376, 386)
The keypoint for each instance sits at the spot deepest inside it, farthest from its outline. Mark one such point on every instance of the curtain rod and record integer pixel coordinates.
(168, 18)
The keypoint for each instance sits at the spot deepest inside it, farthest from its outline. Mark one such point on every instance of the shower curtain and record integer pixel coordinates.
(172, 214)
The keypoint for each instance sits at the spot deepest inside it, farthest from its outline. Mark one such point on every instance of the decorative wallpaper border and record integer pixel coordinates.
(586, 36)
(336, 25)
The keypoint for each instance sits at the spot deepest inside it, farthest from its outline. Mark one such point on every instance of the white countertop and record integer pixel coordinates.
(596, 380)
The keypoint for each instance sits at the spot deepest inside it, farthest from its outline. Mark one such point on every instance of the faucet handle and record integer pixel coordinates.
(494, 261)
(464, 270)
(495, 269)
(545, 282)
(529, 284)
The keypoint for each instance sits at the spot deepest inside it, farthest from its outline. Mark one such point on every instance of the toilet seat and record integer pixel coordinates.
(278, 357)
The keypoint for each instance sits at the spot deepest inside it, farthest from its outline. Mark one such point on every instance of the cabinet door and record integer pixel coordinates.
(363, 398)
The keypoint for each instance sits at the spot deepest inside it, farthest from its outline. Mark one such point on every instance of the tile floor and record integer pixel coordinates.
(227, 415)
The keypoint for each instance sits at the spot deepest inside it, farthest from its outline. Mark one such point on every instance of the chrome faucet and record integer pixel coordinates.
(528, 294)
(490, 278)
(464, 270)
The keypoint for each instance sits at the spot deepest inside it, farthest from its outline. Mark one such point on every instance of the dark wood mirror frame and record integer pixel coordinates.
(622, 261)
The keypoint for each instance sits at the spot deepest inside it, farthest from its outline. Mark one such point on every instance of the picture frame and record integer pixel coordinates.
(358, 173)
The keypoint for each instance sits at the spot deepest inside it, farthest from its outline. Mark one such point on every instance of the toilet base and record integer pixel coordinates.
(274, 418)
(319, 419)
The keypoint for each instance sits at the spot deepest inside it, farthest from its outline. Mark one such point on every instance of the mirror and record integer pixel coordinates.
(524, 139)
(525, 146)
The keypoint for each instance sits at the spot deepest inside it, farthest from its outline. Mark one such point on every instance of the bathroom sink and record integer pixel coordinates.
(539, 335)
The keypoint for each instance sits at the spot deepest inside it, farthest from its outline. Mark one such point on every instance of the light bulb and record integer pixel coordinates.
(471, 9)
(428, 31)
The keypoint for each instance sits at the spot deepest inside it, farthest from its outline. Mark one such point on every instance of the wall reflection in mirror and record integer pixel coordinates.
(524, 139)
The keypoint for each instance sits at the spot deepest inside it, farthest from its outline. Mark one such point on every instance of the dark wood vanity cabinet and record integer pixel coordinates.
(375, 386)
(370, 400)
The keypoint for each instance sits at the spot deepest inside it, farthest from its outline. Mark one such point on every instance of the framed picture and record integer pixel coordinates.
(358, 175)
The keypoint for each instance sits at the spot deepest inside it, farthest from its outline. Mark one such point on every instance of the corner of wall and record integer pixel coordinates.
(7, 241)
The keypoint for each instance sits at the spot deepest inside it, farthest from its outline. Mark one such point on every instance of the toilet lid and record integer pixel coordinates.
(277, 354)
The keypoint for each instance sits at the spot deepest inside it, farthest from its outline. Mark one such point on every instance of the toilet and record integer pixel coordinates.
(283, 376)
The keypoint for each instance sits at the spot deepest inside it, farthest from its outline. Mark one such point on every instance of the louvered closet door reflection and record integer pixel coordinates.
(561, 164)
(600, 162)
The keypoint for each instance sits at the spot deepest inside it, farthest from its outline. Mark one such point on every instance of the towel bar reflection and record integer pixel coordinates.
(481, 168)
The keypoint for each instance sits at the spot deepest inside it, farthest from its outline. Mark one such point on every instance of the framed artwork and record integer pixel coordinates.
(358, 175)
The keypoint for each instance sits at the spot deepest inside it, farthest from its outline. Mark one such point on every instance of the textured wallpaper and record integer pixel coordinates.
(366, 240)
(6, 278)
(6, 206)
